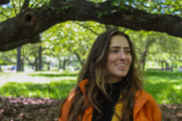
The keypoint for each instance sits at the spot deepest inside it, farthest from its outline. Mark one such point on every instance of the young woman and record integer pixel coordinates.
(109, 86)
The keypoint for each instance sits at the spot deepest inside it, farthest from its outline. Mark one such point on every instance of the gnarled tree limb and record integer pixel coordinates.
(31, 22)
(4, 2)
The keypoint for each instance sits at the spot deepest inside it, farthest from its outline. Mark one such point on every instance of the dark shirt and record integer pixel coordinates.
(108, 105)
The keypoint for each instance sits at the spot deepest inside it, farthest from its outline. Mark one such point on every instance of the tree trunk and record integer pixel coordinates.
(167, 66)
(64, 64)
(81, 61)
(40, 58)
(22, 65)
(60, 65)
(36, 64)
(19, 59)
(162, 65)
(143, 58)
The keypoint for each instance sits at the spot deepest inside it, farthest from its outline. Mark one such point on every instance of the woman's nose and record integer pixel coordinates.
(121, 55)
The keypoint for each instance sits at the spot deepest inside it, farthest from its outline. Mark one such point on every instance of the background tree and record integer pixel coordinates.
(74, 37)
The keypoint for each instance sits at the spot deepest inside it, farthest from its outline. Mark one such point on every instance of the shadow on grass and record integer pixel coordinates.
(55, 90)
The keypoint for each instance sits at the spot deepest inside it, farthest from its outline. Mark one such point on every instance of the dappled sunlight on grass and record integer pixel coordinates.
(58, 90)
(54, 74)
(35, 77)
(166, 88)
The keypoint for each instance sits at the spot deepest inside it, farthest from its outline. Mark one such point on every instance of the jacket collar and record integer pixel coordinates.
(140, 97)
(82, 85)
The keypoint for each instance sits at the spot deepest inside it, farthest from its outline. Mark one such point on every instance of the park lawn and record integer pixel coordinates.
(39, 84)
(165, 87)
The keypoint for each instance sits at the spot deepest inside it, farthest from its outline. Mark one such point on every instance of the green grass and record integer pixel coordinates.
(165, 87)
(54, 74)
(57, 90)
(58, 86)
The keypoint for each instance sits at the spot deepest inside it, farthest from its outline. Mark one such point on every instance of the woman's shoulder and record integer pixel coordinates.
(145, 101)
(143, 96)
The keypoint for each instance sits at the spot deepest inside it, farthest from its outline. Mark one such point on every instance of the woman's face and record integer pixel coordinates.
(119, 58)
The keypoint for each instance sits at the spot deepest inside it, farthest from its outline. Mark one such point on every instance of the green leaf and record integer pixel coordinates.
(106, 13)
(66, 7)
(31, 6)
(98, 11)
(58, 11)
(100, 14)
(47, 4)
(53, 8)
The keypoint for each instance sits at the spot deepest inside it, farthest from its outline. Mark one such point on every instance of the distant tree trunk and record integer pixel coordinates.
(64, 64)
(172, 66)
(68, 62)
(145, 52)
(19, 59)
(167, 66)
(22, 65)
(162, 65)
(36, 64)
(142, 64)
(143, 58)
(60, 65)
(40, 58)
(81, 61)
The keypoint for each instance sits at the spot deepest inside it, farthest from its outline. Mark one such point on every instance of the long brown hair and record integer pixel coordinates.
(96, 71)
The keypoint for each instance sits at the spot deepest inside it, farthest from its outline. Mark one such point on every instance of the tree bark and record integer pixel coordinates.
(19, 59)
(30, 22)
(64, 64)
(40, 58)
(143, 55)
(4, 2)
(36, 64)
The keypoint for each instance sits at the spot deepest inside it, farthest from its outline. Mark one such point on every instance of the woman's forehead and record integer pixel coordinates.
(119, 41)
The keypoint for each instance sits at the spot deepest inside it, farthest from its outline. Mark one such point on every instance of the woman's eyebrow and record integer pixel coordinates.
(126, 47)
(114, 47)
(119, 47)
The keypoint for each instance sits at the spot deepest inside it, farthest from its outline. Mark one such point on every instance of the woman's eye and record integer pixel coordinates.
(114, 51)
(127, 51)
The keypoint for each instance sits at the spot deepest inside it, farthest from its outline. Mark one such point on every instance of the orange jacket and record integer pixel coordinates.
(145, 107)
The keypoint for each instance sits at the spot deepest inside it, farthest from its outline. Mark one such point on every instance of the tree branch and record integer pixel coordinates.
(4, 2)
(15, 44)
(31, 22)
